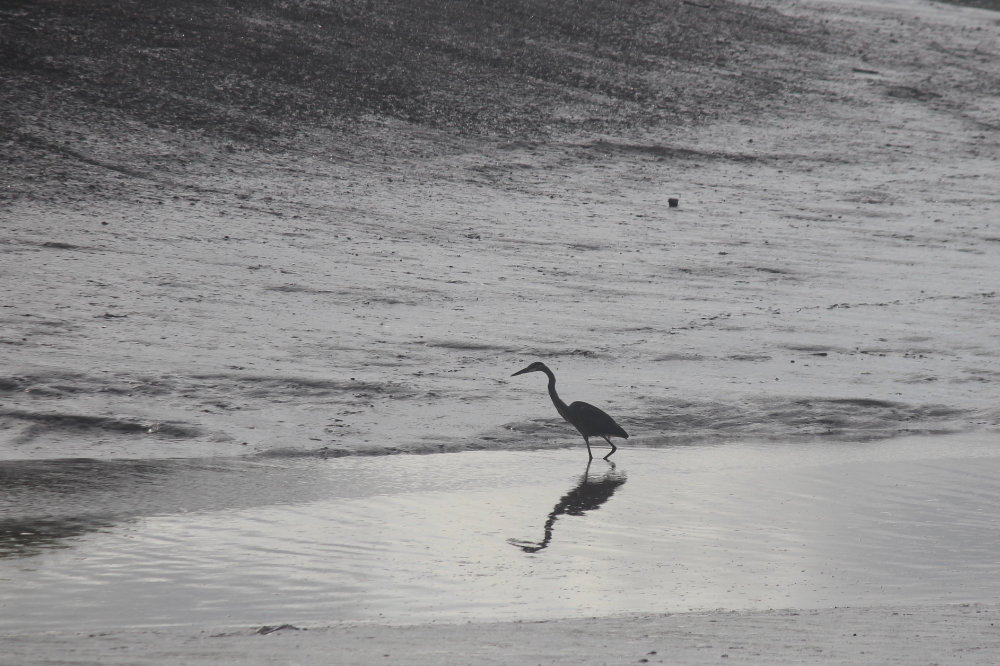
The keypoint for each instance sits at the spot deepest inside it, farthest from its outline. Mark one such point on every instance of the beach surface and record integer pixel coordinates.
(268, 270)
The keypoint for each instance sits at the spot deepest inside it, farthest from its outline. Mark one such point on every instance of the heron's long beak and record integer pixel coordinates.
(521, 372)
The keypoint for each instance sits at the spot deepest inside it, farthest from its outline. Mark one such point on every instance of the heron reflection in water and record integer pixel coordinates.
(588, 495)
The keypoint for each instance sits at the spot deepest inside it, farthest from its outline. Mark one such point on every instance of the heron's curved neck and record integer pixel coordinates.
(556, 400)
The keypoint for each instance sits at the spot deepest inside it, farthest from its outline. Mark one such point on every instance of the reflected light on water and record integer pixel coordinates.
(428, 538)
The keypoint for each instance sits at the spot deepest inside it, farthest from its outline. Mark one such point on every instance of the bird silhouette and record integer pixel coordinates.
(586, 418)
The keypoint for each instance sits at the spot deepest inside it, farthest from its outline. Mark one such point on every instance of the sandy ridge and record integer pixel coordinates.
(913, 635)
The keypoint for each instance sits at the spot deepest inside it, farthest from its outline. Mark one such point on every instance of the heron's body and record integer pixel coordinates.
(590, 421)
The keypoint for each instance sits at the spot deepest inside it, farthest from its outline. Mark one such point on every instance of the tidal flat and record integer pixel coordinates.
(258, 330)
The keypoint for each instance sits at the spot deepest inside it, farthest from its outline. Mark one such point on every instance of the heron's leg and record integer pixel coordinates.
(586, 441)
(613, 447)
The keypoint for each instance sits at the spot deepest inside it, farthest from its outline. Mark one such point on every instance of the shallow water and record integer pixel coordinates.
(498, 534)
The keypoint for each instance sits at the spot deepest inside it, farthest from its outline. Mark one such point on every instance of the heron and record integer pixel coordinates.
(586, 418)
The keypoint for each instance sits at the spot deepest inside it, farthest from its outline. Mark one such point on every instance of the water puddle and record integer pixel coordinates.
(496, 535)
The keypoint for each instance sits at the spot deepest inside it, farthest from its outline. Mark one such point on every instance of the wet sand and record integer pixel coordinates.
(831, 271)
(896, 635)
(214, 352)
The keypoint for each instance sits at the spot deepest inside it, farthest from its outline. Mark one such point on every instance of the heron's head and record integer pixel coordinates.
(537, 366)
